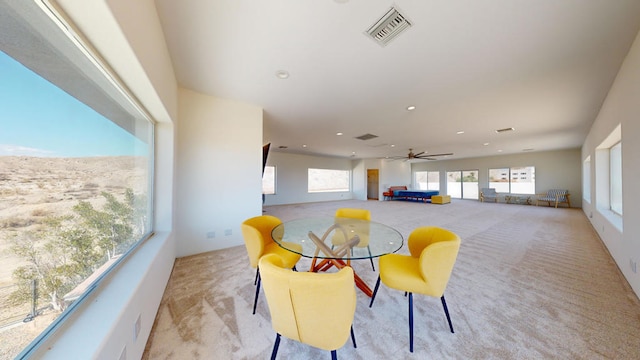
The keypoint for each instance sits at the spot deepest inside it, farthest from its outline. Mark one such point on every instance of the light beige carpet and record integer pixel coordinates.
(529, 283)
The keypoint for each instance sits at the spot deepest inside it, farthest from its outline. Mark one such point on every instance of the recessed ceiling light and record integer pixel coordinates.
(485, 144)
(282, 74)
(339, 134)
(411, 107)
(392, 145)
(304, 145)
(499, 150)
(459, 132)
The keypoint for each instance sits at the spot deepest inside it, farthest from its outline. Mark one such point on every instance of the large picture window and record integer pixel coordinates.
(326, 180)
(428, 180)
(76, 157)
(515, 180)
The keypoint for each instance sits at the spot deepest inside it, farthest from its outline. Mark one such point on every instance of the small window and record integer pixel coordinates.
(586, 179)
(615, 181)
(326, 180)
(269, 180)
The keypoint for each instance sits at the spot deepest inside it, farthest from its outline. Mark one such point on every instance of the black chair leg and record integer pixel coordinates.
(353, 338)
(375, 291)
(275, 347)
(255, 281)
(255, 301)
(334, 355)
(411, 322)
(370, 258)
(446, 312)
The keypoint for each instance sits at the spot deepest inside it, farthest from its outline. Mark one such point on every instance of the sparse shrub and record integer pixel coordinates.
(16, 222)
(40, 212)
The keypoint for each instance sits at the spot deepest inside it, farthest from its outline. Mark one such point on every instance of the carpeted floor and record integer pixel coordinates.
(529, 283)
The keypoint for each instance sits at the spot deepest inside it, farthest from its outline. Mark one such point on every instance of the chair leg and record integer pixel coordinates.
(411, 322)
(353, 338)
(255, 301)
(370, 258)
(375, 291)
(446, 312)
(255, 281)
(334, 355)
(275, 347)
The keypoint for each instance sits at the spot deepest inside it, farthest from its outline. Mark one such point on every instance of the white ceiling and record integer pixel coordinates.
(542, 67)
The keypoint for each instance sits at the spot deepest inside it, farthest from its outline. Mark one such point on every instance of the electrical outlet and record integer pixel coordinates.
(227, 232)
(211, 234)
(136, 328)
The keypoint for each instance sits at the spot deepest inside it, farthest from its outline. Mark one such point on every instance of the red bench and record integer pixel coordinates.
(388, 195)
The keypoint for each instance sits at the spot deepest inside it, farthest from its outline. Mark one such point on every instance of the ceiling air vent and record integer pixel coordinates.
(388, 27)
(499, 131)
(366, 137)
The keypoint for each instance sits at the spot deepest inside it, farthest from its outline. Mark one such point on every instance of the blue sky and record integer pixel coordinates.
(39, 119)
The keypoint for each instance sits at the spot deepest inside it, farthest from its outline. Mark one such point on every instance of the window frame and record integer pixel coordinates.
(76, 60)
(427, 175)
(514, 174)
(269, 176)
(615, 179)
(327, 173)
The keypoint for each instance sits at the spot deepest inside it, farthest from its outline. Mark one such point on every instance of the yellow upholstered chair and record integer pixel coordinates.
(256, 232)
(426, 271)
(362, 230)
(313, 308)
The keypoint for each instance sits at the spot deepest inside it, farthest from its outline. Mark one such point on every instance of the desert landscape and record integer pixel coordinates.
(34, 188)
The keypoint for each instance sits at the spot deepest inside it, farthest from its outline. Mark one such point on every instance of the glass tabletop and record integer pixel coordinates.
(331, 237)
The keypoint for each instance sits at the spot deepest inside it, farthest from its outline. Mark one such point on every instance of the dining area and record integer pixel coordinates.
(315, 307)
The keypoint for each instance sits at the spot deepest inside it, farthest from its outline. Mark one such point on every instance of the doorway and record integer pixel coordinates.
(372, 184)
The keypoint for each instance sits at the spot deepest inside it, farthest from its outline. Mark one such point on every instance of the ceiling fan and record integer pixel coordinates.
(420, 155)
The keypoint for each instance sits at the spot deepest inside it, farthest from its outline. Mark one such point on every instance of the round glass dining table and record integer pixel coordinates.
(335, 241)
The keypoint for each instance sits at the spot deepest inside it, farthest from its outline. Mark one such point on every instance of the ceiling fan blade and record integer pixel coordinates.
(418, 154)
(433, 155)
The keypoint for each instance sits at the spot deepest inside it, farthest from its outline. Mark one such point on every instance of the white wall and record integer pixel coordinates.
(559, 169)
(218, 173)
(394, 173)
(622, 106)
(359, 179)
(127, 34)
(292, 173)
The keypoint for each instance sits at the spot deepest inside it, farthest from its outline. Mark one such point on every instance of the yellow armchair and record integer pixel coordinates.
(426, 271)
(256, 232)
(316, 309)
(343, 215)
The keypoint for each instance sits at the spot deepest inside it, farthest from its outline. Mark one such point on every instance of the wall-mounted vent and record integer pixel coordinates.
(366, 137)
(388, 27)
(499, 131)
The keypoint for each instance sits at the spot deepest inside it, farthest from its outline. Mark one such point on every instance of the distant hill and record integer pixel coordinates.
(32, 188)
